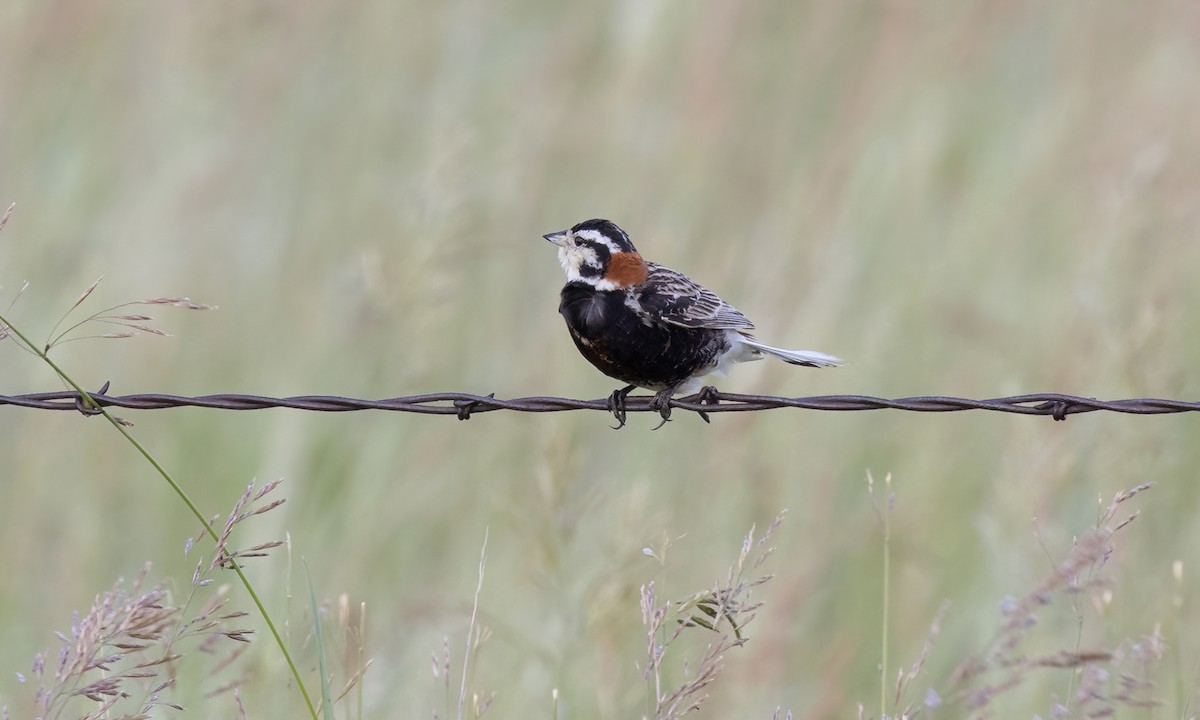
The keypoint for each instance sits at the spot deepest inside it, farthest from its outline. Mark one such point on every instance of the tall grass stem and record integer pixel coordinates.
(179, 491)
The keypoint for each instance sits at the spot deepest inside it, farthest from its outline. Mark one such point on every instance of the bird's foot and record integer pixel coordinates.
(616, 405)
(662, 403)
(708, 395)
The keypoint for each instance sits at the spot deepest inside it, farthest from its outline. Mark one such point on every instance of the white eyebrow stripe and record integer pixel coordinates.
(598, 238)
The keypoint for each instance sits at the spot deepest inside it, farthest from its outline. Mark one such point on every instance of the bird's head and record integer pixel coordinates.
(599, 253)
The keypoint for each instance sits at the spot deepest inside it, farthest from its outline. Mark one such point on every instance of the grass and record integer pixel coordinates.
(725, 610)
(126, 653)
(976, 200)
(88, 406)
(131, 640)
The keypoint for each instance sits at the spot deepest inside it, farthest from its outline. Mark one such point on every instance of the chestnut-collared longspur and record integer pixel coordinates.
(648, 325)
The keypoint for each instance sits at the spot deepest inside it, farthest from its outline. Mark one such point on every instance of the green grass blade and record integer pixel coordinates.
(326, 691)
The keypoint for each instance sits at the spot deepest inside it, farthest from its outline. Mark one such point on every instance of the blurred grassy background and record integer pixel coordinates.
(975, 199)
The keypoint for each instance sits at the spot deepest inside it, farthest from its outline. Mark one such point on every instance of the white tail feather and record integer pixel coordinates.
(807, 358)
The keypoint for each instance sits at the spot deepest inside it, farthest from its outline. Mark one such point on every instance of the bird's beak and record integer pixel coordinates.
(558, 238)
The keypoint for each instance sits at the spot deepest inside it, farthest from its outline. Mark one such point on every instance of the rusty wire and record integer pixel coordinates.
(463, 405)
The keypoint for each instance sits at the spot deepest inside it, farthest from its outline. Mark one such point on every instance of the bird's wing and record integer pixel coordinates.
(671, 297)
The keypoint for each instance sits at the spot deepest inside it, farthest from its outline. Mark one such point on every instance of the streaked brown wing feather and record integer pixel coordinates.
(672, 297)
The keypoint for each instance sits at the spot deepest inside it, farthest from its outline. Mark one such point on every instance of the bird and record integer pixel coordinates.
(650, 326)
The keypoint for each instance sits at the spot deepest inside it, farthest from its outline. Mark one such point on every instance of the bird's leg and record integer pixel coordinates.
(616, 404)
(662, 403)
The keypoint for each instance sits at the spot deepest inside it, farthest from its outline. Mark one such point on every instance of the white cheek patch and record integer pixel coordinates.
(573, 257)
(567, 261)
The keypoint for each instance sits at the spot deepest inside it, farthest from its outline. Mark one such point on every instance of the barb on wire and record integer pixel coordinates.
(464, 405)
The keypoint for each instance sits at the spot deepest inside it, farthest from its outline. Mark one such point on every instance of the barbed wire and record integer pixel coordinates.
(463, 405)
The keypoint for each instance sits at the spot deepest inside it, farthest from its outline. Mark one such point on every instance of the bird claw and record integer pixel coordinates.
(708, 395)
(662, 403)
(616, 405)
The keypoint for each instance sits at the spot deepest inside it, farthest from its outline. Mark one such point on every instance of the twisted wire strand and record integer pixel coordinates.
(463, 405)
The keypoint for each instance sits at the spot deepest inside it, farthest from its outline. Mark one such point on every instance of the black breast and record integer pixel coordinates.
(623, 346)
